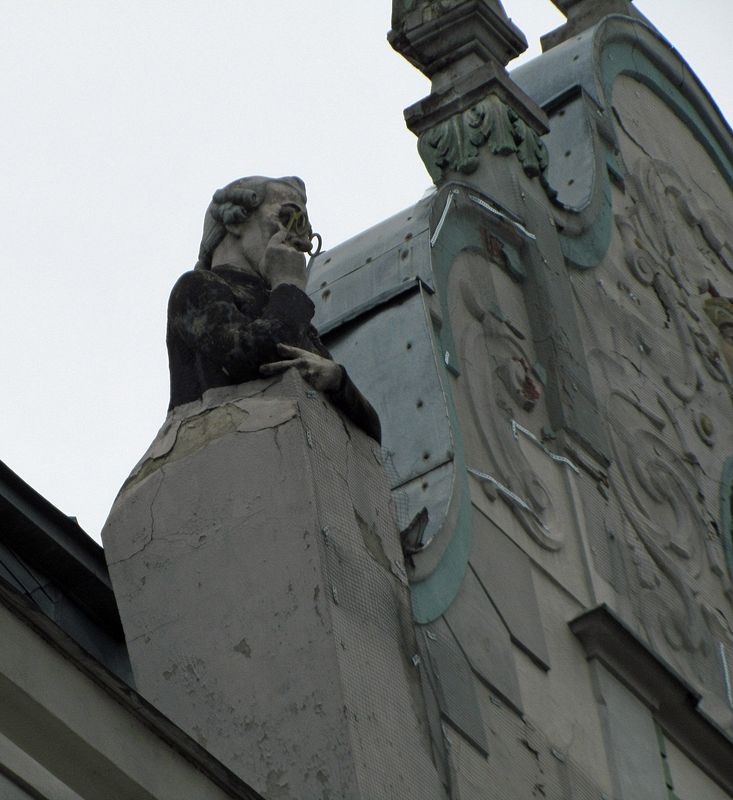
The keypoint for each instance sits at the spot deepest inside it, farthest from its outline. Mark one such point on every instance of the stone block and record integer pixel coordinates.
(259, 576)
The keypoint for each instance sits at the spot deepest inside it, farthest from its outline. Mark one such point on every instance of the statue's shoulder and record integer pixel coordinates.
(199, 286)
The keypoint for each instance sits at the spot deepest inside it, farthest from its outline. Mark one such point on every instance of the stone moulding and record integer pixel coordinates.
(454, 145)
(433, 34)
(674, 703)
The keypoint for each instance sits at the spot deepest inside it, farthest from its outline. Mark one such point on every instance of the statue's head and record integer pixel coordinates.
(249, 210)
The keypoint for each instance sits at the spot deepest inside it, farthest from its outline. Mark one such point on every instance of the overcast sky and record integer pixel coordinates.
(122, 117)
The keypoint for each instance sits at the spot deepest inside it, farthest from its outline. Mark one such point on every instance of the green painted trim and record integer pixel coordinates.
(432, 597)
(588, 250)
(726, 513)
(627, 59)
(632, 57)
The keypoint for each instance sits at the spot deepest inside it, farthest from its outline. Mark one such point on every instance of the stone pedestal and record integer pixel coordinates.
(259, 576)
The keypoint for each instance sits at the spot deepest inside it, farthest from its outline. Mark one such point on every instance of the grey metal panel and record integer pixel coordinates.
(454, 684)
(553, 73)
(431, 490)
(370, 268)
(346, 257)
(390, 357)
(369, 285)
(572, 170)
(505, 573)
(484, 639)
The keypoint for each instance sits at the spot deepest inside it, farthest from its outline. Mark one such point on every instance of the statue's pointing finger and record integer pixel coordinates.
(322, 373)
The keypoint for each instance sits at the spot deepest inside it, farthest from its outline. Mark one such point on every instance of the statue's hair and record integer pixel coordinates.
(232, 205)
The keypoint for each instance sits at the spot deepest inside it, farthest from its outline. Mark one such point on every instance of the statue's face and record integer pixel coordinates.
(282, 209)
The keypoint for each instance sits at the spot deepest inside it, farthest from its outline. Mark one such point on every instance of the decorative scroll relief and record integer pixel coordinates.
(502, 384)
(671, 551)
(659, 335)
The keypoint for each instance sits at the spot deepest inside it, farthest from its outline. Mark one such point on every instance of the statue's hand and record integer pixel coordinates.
(283, 262)
(322, 373)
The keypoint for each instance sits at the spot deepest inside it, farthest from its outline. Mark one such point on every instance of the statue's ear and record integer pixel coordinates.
(235, 230)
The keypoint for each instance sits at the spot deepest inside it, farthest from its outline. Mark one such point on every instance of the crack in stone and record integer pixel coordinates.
(152, 525)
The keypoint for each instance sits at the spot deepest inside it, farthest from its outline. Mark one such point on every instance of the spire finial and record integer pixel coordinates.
(441, 35)
(463, 46)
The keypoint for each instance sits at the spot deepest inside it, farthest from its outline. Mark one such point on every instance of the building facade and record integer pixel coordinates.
(547, 338)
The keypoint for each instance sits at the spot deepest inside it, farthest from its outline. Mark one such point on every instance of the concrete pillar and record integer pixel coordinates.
(260, 580)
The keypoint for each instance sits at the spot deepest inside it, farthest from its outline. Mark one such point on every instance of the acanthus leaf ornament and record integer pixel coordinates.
(454, 145)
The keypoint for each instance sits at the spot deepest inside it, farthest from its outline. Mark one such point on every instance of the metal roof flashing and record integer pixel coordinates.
(55, 546)
(373, 267)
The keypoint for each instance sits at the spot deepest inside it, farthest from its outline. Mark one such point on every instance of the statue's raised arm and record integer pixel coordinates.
(242, 312)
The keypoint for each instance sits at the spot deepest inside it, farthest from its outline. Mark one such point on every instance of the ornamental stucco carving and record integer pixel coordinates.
(500, 386)
(455, 144)
(658, 359)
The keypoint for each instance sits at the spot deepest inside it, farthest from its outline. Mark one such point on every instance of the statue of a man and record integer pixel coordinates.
(241, 313)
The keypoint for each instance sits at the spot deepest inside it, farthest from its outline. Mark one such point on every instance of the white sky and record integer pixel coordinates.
(121, 119)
